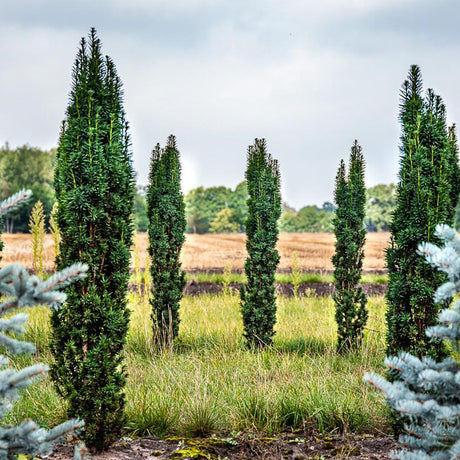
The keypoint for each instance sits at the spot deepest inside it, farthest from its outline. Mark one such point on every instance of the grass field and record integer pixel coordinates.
(207, 252)
(209, 382)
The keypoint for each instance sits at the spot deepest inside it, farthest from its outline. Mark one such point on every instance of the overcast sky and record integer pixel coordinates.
(308, 75)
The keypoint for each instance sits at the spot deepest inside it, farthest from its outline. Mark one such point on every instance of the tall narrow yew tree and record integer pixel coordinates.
(350, 300)
(426, 195)
(258, 302)
(94, 182)
(167, 224)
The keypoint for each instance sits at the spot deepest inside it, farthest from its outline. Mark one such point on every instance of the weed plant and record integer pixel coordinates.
(210, 382)
(37, 230)
(54, 231)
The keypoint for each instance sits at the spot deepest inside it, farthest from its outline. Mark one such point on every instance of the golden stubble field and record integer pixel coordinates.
(208, 252)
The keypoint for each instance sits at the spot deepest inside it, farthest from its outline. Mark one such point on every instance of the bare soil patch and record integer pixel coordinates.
(291, 446)
(286, 289)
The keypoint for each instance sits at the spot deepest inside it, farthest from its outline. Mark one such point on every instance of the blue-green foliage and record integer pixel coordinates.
(20, 290)
(424, 392)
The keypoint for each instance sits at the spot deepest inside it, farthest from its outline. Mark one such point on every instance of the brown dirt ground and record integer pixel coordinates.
(290, 446)
(312, 289)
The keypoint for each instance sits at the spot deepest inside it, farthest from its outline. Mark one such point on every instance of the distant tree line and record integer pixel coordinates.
(216, 209)
(223, 210)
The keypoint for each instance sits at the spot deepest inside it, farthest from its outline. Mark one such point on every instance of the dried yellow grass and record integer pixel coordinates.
(205, 252)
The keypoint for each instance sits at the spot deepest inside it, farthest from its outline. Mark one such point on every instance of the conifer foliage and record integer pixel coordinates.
(258, 302)
(94, 183)
(426, 393)
(426, 194)
(19, 290)
(167, 223)
(350, 300)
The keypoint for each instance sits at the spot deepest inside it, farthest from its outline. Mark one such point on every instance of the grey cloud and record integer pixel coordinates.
(310, 76)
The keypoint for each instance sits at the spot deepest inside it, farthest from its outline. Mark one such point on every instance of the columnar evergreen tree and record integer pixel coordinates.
(19, 290)
(258, 302)
(426, 393)
(425, 195)
(94, 183)
(454, 164)
(350, 300)
(167, 223)
(455, 185)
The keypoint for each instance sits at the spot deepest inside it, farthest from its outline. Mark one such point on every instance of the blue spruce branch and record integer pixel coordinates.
(13, 201)
(21, 290)
(426, 393)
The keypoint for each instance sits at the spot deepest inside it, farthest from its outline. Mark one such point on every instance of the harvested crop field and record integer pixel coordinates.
(225, 251)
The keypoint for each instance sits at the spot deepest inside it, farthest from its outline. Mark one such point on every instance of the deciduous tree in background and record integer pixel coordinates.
(426, 194)
(203, 205)
(380, 204)
(258, 302)
(94, 182)
(224, 222)
(31, 168)
(350, 300)
(167, 223)
(141, 220)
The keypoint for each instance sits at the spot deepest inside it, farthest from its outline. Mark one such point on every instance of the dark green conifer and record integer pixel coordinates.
(94, 182)
(167, 223)
(453, 165)
(425, 196)
(258, 302)
(350, 300)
